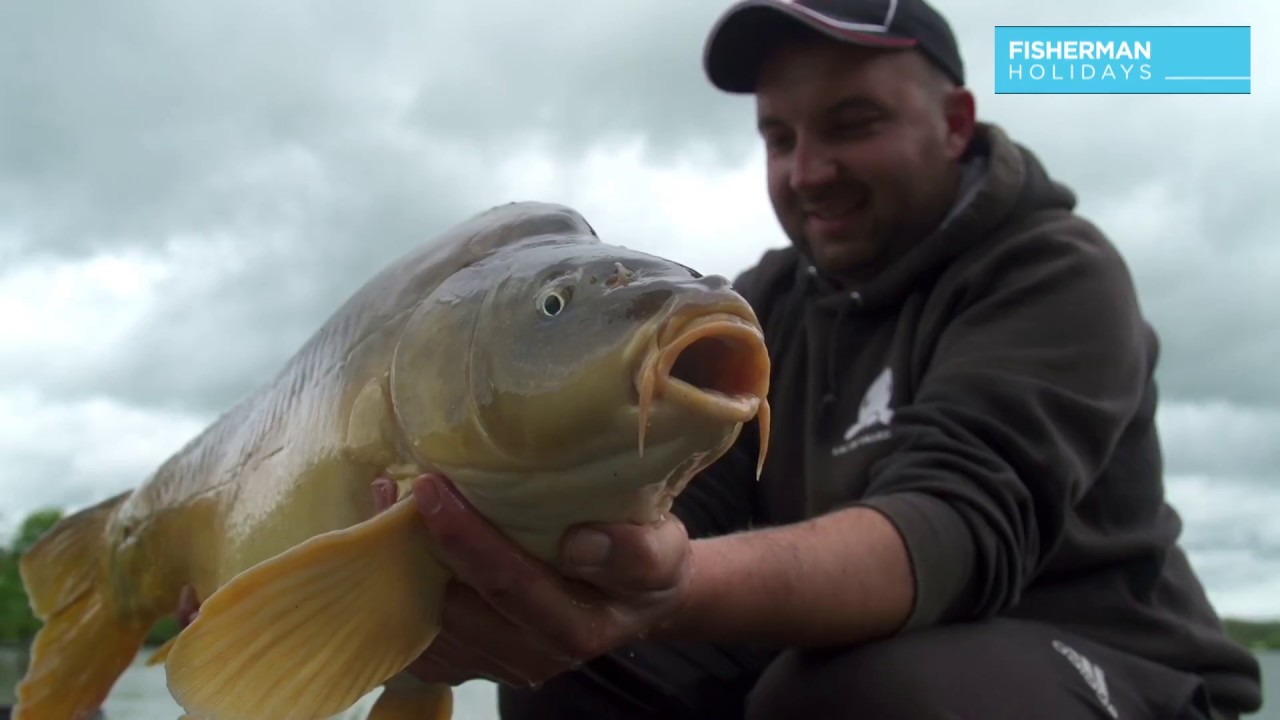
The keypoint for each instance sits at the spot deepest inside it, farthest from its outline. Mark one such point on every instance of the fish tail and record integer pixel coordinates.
(84, 644)
(307, 633)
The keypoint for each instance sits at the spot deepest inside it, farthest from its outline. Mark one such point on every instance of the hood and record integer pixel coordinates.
(1001, 180)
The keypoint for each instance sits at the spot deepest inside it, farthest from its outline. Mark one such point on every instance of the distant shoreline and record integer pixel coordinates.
(18, 625)
(1257, 635)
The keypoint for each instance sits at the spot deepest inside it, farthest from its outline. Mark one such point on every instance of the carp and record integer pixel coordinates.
(554, 378)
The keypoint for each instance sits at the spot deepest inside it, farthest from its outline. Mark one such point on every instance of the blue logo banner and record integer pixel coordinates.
(1122, 59)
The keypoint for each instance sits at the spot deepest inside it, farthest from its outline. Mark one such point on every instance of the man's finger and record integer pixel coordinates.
(477, 552)
(625, 558)
(384, 493)
(528, 592)
(188, 606)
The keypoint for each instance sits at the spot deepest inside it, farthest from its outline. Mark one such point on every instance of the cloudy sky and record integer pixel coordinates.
(187, 190)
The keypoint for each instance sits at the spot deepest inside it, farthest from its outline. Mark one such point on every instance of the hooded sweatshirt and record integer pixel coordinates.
(992, 394)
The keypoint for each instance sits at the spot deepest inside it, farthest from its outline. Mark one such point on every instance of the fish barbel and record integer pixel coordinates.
(554, 378)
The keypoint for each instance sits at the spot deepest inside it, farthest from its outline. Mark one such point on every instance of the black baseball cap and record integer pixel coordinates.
(748, 30)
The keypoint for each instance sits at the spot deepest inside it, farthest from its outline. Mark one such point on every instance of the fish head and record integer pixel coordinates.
(579, 368)
(578, 355)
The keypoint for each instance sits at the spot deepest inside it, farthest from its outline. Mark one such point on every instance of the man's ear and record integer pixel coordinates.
(960, 113)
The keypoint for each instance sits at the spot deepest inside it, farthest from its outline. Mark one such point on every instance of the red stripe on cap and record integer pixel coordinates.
(801, 12)
(872, 38)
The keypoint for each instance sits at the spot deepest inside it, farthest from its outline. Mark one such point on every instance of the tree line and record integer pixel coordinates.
(18, 625)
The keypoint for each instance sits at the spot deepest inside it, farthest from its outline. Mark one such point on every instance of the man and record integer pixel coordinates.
(963, 512)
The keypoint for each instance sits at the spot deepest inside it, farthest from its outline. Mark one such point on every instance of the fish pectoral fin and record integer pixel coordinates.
(407, 698)
(309, 632)
(84, 644)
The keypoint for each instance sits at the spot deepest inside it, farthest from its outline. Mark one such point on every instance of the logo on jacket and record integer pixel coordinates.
(874, 412)
(1093, 675)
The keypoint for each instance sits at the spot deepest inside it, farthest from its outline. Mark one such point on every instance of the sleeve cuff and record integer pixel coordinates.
(939, 547)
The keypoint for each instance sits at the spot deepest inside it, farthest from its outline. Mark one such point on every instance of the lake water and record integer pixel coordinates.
(140, 693)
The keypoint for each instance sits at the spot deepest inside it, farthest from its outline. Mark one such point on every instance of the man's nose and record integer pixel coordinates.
(812, 164)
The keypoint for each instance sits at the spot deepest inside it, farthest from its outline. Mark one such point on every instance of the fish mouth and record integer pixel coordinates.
(714, 364)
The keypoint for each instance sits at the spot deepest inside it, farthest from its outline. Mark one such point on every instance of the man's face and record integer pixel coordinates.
(862, 148)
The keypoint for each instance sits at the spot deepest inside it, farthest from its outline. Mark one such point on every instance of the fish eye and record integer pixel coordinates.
(552, 302)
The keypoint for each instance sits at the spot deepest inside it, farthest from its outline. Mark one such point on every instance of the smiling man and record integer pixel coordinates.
(963, 511)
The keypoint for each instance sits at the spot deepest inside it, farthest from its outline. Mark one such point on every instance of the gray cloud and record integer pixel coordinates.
(1220, 439)
(223, 327)
(314, 143)
(72, 454)
(324, 139)
(1232, 539)
(130, 127)
(591, 73)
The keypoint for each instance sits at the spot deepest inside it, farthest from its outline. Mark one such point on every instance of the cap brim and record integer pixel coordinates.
(742, 38)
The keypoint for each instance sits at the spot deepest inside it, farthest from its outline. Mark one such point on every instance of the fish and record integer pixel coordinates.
(553, 377)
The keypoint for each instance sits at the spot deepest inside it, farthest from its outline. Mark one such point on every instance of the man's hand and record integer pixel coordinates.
(510, 618)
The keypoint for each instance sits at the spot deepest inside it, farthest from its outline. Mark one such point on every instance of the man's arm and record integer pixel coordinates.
(1031, 383)
(842, 578)
(512, 619)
